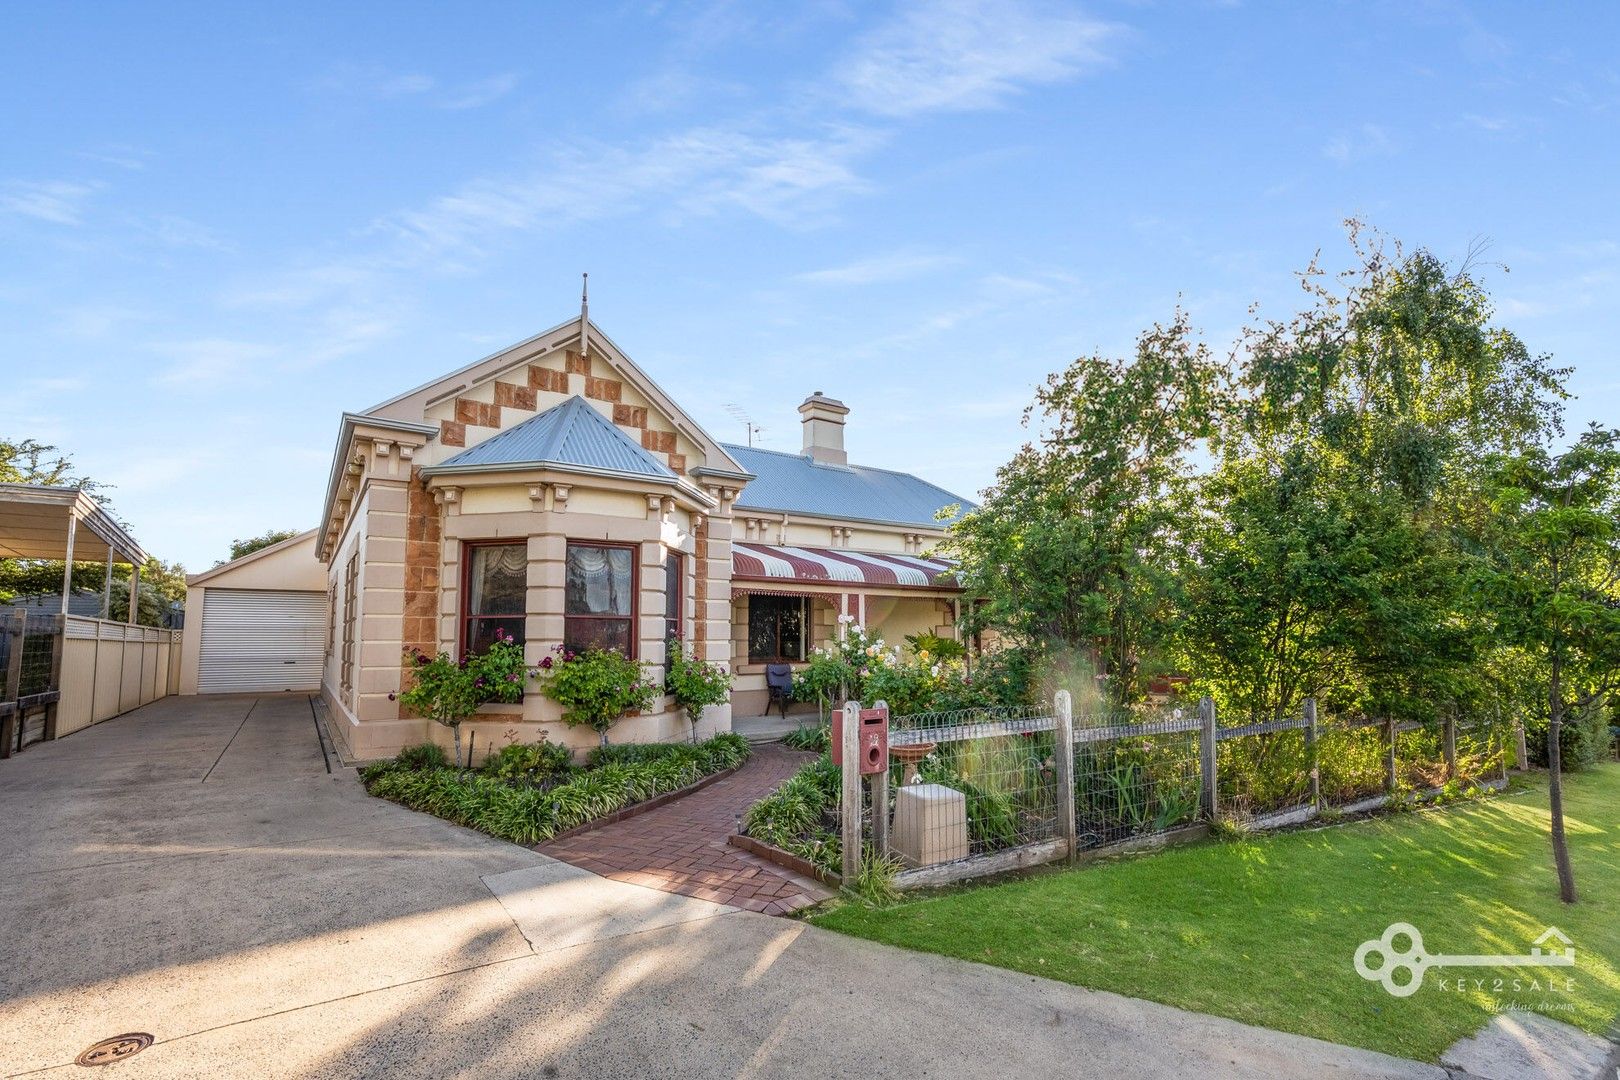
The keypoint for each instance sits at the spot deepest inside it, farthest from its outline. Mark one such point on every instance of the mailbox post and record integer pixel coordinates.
(860, 747)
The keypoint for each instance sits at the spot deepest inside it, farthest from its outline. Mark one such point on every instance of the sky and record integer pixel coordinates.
(223, 225)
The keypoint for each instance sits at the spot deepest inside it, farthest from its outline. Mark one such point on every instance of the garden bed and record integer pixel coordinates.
(532, 793)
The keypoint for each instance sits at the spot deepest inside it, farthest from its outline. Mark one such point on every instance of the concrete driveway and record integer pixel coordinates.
(193, 871)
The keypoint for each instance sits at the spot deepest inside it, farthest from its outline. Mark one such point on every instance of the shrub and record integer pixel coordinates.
(529, 762)
(422, 756)
(696, 684)
(596, 688)
(817, 740)
(528, 814)
(1584, 737)
(448, 692)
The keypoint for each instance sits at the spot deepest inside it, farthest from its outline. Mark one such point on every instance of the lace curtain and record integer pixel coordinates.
(599, 580)
(499, 579)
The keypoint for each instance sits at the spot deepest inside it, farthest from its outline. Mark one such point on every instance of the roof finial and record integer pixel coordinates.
(585, 315)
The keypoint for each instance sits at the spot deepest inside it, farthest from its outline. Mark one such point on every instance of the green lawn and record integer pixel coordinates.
(1263, 929)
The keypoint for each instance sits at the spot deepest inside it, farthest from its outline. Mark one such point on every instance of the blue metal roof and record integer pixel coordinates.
(571, 435)
(798, 484)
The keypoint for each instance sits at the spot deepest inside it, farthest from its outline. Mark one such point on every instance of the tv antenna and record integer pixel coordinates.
(741, 416)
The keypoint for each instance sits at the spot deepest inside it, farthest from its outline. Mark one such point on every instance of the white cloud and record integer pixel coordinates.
(898, 266)
(209, 362)
(372, 82)
(60, 202)
(481, 93)
(1369, 140)
(968, 54)
(699, 171)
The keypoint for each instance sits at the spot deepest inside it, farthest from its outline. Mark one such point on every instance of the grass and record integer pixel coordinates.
(1262, 929)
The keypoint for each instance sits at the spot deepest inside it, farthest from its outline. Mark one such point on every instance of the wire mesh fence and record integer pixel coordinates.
(994, 787)
(30, 666)
(1134, 779)
(971, 782)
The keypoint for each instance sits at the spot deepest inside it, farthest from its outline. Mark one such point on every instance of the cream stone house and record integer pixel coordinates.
(554, 492)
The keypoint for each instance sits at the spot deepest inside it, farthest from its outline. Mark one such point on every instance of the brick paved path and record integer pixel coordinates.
(681, 847)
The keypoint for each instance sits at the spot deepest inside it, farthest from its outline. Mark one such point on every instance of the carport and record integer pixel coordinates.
(38, 663)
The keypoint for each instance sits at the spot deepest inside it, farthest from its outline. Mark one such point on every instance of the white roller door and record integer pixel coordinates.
(261, 640)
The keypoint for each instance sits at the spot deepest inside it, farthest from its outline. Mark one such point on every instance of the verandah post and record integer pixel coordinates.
(1206, 757)
(1063, 755)
(1311, 753)
(850, 809)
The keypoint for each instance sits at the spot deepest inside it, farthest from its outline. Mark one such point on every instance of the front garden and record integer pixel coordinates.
(529, 793)
(1263, 928)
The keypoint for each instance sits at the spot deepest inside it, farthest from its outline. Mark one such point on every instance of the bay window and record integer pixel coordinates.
(599, 601)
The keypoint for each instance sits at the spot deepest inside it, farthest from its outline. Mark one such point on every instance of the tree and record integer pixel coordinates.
(1554, 580)
(241, 548)
(1329, 561)
(1075, 544)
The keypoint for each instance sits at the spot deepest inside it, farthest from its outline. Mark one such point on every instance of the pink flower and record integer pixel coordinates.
(545, 662)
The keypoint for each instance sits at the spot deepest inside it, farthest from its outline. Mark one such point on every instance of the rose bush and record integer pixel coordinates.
(449, 691)
(596, 688)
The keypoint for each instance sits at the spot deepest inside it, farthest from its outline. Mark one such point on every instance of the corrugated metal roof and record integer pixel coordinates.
(798, 484)
(570, 435)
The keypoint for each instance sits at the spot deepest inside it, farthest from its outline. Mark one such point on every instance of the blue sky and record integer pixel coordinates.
(221, 227)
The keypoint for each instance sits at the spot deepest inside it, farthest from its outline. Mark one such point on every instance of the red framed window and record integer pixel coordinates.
(778, 628)
(494, 593)
(599, 597)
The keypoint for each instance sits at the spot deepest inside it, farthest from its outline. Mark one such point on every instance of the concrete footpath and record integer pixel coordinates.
(192, 871)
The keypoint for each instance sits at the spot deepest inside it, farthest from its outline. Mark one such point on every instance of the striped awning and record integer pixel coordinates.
(778, 563)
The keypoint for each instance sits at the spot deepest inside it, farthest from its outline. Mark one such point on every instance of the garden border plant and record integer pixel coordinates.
(528, 795)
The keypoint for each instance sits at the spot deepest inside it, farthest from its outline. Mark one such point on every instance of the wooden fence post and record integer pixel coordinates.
(1063, 752)
(1389, 755)
(11, 689)
(880, 800)
(1311, 753)
(850, 811)
(1450, 745)
(1206, 757)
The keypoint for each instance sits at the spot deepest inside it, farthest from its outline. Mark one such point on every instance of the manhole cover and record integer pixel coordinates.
(114, 1049)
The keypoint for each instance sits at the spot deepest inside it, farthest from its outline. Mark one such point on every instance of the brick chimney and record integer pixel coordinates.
(824, 428)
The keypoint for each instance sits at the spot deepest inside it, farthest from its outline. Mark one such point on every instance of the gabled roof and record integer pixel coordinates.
(796, 483)
(571, 436)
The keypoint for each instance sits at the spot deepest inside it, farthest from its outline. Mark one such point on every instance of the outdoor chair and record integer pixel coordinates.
(779, 681)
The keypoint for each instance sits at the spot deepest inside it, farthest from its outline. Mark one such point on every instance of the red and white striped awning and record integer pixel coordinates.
(778, 563)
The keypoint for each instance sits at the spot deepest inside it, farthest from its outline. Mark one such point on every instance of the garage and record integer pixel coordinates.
(258, 625)
(261, 641)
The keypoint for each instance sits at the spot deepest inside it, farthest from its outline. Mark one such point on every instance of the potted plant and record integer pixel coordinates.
(596, 688)
(449, 692)
(696, 683)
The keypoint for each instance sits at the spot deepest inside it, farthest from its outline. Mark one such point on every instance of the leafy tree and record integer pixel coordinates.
(28, 461)
(1554, 581)
(241, 548)
(1330, 561)
(1076, 543)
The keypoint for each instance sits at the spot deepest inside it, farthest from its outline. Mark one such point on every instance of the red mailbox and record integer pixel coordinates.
(873, 736)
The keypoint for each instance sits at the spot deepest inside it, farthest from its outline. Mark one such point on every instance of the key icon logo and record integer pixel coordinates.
(1398, 960)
